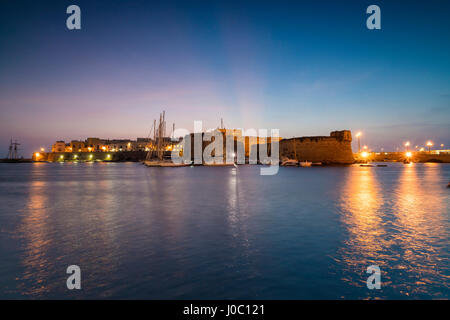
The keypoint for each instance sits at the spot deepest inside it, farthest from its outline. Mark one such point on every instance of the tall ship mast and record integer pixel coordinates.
(159, 142)
(13, 152)
(161, 145)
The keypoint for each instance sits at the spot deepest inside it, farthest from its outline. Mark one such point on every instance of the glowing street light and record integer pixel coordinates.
(358, 135)
(442, 145)
(364, 154)
(429, 145)
(42, 149)
(407, 144)
(408, 154)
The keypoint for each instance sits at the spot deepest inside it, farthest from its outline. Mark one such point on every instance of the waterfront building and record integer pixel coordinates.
(59, 146)
(77, 146)
(94, 144)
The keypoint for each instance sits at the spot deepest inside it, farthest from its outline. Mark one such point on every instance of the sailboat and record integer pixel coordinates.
(13, 154)
(156, 157)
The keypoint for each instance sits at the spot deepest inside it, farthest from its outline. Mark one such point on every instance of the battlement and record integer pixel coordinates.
(343, 135)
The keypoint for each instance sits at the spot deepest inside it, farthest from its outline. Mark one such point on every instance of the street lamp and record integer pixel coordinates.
(429, 145)
(358, 135)
(407, 144)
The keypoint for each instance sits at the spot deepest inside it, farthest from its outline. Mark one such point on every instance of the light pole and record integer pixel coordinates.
(407, 144)
(429, 145)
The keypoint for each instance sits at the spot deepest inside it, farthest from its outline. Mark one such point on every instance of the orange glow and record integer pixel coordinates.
(42, 149)
(358, 134)
(409, 154)
(407, 144)
(364, 154)
(37, 154)
(429, 143)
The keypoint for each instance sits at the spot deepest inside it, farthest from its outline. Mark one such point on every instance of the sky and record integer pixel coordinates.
(304, 67)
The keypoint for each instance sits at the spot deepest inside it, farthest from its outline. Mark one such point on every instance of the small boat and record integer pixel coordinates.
(164, 164)
(305, 164)
(366, 165)
(219, 164)
(381, 165)
(289, 163)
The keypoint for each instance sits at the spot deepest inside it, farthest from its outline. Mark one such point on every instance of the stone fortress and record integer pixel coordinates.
(333, 149)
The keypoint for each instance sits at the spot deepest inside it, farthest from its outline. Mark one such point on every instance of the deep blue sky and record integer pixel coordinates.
(306, 67)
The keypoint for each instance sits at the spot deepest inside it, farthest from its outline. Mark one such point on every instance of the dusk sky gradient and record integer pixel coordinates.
(305, 67)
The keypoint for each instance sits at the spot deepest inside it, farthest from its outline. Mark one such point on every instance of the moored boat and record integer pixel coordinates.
(289, 163)
(305, 163)
(162, 163)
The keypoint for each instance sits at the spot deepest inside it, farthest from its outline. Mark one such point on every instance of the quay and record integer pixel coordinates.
(437, 156)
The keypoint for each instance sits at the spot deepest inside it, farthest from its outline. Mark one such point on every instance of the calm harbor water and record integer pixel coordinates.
(224, 233)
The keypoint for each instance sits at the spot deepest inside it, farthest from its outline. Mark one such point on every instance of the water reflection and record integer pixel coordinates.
(400, 226)
(38, 243)
(366, 243)
(224, 232)
(419, 230)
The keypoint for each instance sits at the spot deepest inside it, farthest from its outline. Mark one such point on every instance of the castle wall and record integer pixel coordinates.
(334, 149)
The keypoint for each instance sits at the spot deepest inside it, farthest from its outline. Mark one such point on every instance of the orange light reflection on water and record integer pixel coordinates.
(398, 225)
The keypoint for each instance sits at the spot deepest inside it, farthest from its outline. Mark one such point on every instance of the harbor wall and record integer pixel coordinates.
(333, 149)
(419, 156)
(91, 156)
